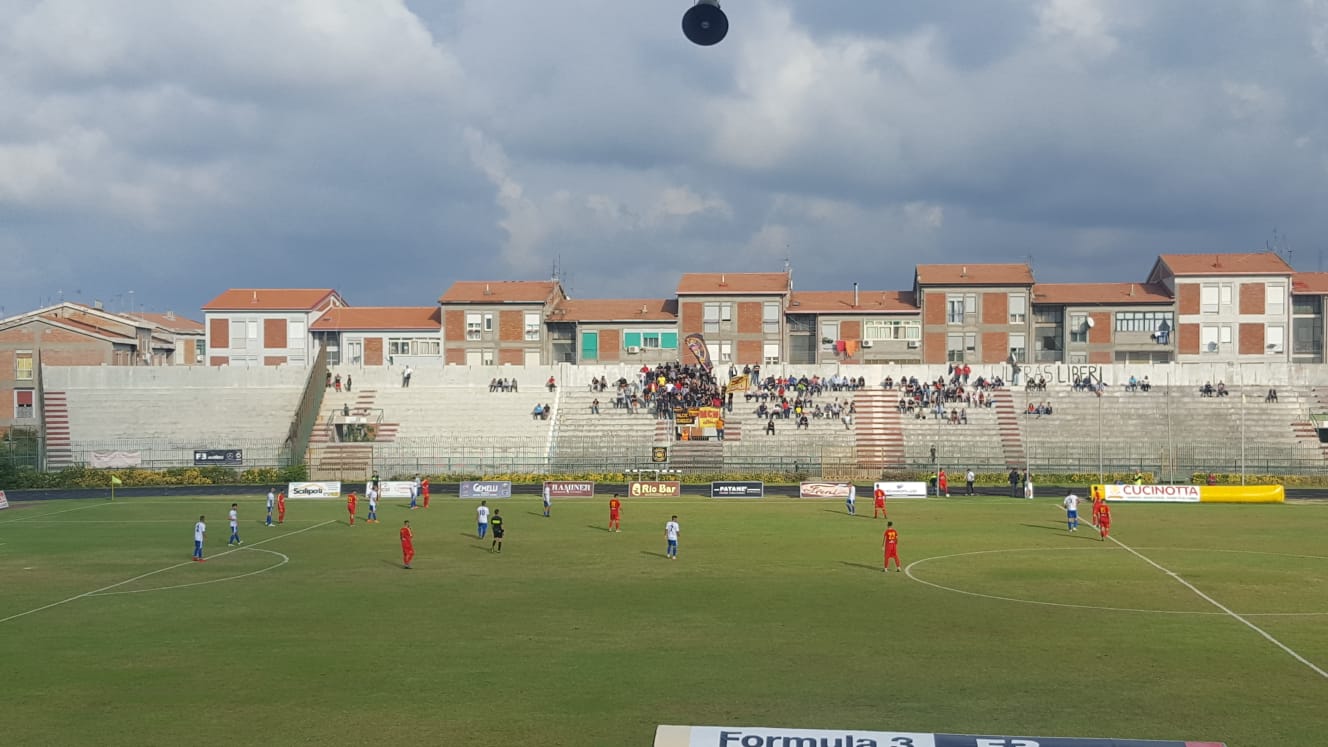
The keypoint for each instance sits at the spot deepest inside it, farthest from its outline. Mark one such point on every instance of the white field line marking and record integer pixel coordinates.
(284, 560)
(153, 573)
(99, 504)
(1224, 608)
(135, 521)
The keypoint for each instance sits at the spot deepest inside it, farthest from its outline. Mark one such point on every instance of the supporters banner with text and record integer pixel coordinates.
(739, 383)
(697, 344)
(654, 488)
(115, 459)
(824, 490)
(314, 489)
(486, 489)
(4, 502)
(755, 736)
(392, 488)
(570, 489)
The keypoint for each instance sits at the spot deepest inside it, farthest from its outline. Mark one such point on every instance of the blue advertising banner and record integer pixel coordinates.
(486, 489)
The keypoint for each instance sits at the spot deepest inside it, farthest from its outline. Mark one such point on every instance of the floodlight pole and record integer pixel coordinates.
(1171, 448)
(1099, 438)
(1240, 379)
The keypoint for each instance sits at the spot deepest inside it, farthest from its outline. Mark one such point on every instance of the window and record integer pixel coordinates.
(954, 310)
(650, 340)
(1078, 328)
(23, 404)
(1018, 348)
(1049, 315)
(770, 355)
(488, 322)
(237, 336)
(413, 346)
(829, 333)
(1226, 294)
(1307, 337)
(668, 340)
(486, 357)
(200, 350)
(1018, 308)
(954, 348)
(1274, 337)
(720, 352)
(252, 329)
(23, 365)
(1225, 334)
(1143, 321)
(715, 313)
(474, 322)
(770, 319)
(1275, 299)
(1307, 305)
(1208, 295)
(880, 329)
(295, 335)
(1208, 339)
(532, 325)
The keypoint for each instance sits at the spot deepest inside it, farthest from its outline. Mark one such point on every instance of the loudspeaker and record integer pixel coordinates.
(705, 24)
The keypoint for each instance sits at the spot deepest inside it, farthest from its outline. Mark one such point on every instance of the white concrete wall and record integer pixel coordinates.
(63, 378)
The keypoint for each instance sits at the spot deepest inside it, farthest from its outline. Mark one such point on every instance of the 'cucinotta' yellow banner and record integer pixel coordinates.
(1242, 494)
(1191, 493)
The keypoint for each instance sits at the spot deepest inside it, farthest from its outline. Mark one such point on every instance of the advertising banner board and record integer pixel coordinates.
(314, 489)
(486, 489)
(654, 489)
(753, 736)
(902, 489)
(392, 488)
(218, 457)
(570, 489)
(737, 490)
(823, 490)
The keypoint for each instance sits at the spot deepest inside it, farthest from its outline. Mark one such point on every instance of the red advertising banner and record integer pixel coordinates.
(652, 488)
(823, 490)
(569, 489)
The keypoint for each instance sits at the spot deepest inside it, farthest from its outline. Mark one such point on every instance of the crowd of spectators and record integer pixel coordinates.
(502, 385)
(947, 398)
(1208, 390)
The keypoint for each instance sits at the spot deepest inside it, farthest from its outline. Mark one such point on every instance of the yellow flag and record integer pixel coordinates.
(116, 481)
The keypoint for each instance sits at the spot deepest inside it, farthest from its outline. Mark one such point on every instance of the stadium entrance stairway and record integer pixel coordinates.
(1307, 435)
(878, 438)
(55, 431)
(612, 440)
(329, 459)
(1007, 427)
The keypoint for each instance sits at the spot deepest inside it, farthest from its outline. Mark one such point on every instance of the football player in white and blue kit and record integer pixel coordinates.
(1071, 504)
(851, 502)
(548, 500)
(373, 506)
(271, 503)
(235, 525)
(671, 534)
(200, 532)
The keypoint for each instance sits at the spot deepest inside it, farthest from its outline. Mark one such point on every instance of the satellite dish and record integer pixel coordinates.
(705, 24)
(1088, 320)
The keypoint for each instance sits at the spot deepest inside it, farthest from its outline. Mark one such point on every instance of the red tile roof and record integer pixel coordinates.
(385, 318)
(501, 291)
(616, 310)
(1100, 293)
(83, 325)
(841, 302)
(1010, 274)
(169, 322)
(271, 299)
(1310, 283)
(726, 283)
(1249, 263)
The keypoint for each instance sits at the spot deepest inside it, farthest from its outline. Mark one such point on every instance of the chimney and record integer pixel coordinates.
(255, 298)
(487, 291)
(98, 305)
(643, 308)
(170, 315)
(855, 295)
(963, 273)
(1131, 290)
(723, 279)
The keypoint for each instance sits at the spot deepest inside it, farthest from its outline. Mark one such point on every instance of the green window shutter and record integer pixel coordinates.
(589, 346)
(632, 339)
(668, 340)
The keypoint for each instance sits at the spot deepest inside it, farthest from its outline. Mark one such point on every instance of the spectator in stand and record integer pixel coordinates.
(594, 406)
(1272, 396)
(548, 410)
(336, 382)
(1145, 385)
(1206, 390)
(1222, 389)
(538, 413)
(550, 384)
(770, 427)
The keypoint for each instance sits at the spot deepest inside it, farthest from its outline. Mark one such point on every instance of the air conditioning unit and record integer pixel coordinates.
(633, 349)
(866, 343)
(912, 344)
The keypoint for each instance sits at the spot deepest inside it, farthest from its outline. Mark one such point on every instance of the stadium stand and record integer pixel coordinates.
(614, 439)
(165, 413)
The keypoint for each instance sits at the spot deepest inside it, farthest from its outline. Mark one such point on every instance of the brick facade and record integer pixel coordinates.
(995, 346)
(749, 318)
(274, 335)
(455, 356)
(1189, 339)
(1189, 299)
(690, 317)
(933, 347)
(218, 360)
(273, 360)
(219, 333)
(749, 351)
(454, 328)
(934, 313)
(511, 356)
(610, 345)
(995, 309)
(1100, 333)
(511, 326)
(1252, 299)
(1099, 356)
(1251, 335)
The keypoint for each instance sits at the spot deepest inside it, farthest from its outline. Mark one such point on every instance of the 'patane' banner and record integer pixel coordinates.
(648, 489)
(902, 489)
(569, 489)
(486, 489)
(314, 489)
(737, 489)
(823, 490)
(392, 488)
(742, 736)
(1152, 493)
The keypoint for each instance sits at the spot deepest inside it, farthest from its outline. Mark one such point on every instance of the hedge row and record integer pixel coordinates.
(84, 477)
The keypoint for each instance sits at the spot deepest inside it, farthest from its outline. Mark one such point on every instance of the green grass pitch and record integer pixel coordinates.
(775, 614)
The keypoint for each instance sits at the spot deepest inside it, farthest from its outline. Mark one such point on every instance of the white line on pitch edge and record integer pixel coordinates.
(53, 513)
(1220, 606)
(153, 573)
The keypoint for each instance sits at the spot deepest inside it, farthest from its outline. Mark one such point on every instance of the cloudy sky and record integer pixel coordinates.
(389, 147)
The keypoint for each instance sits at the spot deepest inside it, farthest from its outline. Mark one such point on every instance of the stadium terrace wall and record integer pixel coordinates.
(1256, 374)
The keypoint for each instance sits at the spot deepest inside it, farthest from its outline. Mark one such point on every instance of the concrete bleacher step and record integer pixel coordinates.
(878, 437)
(56, 434)
(697, 456)
(1008, 428)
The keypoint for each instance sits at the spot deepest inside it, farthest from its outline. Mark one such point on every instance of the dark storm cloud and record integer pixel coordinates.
(387, 148)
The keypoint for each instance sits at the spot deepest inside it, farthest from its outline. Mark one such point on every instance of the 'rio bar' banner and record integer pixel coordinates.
(742, 736)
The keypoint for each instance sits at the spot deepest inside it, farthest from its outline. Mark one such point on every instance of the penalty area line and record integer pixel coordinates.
(1219, 605)
(53, 513)
(142, 576)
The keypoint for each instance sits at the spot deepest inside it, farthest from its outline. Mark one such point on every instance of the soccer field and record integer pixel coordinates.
(775, 614)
